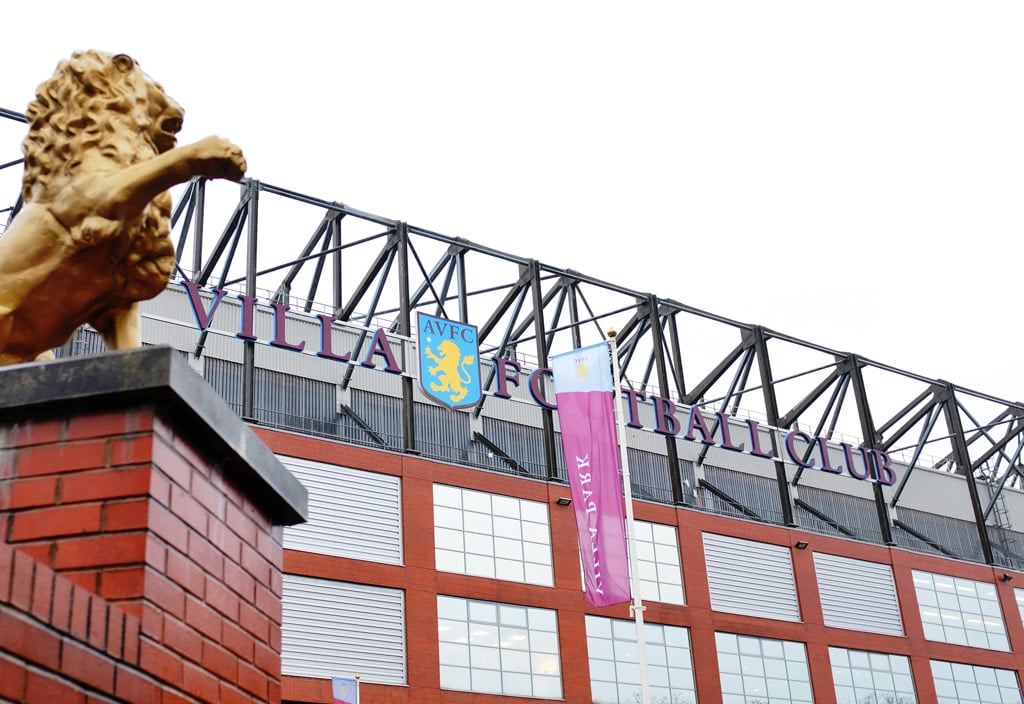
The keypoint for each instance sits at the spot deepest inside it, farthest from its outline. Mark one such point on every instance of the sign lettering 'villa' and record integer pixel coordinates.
(450, 375)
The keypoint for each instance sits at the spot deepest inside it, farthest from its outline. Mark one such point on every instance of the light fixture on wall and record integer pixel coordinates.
(801, 544)
(563, 501)
(1006, 577)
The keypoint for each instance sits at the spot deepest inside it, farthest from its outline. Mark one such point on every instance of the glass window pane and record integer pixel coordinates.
(479, 655)
(769, 670)
(614, 641)
(471, 528)
(967, 611)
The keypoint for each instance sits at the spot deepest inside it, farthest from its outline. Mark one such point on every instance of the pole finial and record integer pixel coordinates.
(612, 333)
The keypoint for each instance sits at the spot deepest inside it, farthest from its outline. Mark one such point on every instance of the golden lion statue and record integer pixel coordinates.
(92, 241)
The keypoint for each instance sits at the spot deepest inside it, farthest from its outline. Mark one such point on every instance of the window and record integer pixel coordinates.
(762, 670)
(614, 663)
(488, 535)
(973, 684)
(657, 551)
(960, 611)
(750, 578)
(860, 676)
(498, 648)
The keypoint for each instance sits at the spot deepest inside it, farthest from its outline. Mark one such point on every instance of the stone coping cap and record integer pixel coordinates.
(158, 376)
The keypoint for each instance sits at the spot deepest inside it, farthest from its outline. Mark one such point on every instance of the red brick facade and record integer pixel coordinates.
(132, 566)
(422, 583)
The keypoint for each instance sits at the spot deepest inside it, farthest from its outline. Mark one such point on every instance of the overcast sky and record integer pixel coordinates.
(847, 173)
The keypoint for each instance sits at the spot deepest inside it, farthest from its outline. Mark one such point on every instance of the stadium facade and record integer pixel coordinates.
(812, 526)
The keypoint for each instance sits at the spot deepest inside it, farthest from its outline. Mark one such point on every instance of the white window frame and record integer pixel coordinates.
(495, 536)
(960, 611)
(974, 684)
(860, 675)
(658, 562)
(764, 669)
(614, 668)
(494, 648)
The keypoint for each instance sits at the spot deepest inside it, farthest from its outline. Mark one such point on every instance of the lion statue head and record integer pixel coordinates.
(102, 107)
(92, 239)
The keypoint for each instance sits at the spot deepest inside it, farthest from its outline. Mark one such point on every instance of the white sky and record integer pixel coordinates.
(847, 173)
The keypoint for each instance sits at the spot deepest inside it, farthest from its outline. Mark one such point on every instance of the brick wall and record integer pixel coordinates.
(138, 561)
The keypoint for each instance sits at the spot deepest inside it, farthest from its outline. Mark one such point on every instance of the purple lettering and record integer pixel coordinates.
(883, 468)
(248, 317)
(326, 343)
(851, 466)
(381, 346)
(536, 389)
(203, 317)
(755, 441)
(632, 398)
(280, 318)
(665, 421)
(502, 377)
(697, 422)
(826, 459)
(723, 420)
(791, 437)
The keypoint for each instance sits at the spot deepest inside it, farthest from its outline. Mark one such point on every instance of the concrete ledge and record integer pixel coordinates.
(159, 377)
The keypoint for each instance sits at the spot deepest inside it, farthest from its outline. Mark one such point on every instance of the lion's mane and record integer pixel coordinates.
(96, 102)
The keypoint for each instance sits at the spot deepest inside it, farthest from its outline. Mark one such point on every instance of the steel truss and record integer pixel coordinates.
(317, 255)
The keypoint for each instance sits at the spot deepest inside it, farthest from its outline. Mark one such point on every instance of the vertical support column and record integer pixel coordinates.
(771, 406)
(671, 452)
(540, 334)
(197, 241)
(249, 346)
(405, 330)
(336, 261)
(963, 463)
(871, 441)
(460, 269)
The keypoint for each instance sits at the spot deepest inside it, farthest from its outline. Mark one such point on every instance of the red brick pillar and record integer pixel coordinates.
(128, 477)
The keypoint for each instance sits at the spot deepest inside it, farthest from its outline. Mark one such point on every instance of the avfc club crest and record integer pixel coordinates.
(449, 361)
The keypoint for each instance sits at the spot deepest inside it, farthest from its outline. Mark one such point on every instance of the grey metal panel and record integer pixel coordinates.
(338, 628)
(525, 444)
(858, 595)
(649, 476)
(958, 537)
(750, 578)
(86, 341)
(759, 494)
(226, 379)
(382, 413)
(442, 433)
(296, 403)
(352, 513)
(856, 514)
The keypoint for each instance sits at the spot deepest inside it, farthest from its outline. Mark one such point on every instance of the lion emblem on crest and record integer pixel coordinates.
(450, 370)
(92, 239)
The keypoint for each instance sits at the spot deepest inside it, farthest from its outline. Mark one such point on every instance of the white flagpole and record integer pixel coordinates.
(637, 607)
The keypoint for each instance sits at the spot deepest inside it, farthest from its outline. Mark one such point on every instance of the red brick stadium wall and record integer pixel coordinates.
(132, 566)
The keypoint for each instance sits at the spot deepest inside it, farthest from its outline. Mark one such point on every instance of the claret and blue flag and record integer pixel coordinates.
(584, 393)
(345, 690)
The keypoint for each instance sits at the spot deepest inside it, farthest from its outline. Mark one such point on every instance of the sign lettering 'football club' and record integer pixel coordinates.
(449, 356)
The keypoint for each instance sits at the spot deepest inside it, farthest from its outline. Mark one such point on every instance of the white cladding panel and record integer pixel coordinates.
(750, 578)
(334, 629)
(352, 513)
(858, 595)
